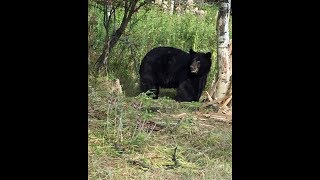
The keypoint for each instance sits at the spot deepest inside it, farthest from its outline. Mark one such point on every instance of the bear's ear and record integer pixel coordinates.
(191, 51)
(208, 55)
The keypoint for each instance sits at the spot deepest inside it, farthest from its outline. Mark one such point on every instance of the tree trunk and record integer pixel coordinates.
(230, 56)
(224, 65)
(171, 6)
(110, 42)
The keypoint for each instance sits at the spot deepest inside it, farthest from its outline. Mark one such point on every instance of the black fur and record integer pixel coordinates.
(169, 67)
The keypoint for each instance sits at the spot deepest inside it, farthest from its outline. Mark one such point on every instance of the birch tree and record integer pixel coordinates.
(223, 83)
(171, 6)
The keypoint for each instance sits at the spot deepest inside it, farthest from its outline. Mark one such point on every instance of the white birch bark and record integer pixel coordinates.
(223, 59)
(171, 6)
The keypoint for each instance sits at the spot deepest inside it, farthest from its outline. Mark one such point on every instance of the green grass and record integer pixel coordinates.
(135, 137)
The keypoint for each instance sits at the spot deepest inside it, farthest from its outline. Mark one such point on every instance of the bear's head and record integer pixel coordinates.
(200, 62)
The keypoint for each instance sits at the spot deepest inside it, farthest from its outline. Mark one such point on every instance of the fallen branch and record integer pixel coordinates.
(219, 105)
(224, 104)
(209, 97)
(227, 101)
(220, 116)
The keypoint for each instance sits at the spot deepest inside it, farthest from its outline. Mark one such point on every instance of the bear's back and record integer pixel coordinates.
(166, 58)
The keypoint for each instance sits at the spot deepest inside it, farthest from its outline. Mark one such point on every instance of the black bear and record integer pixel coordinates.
(169, 67)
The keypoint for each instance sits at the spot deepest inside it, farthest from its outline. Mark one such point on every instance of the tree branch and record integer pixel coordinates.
(126, 7)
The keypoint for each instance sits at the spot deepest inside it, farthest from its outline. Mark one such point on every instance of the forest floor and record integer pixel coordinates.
(141, 138)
